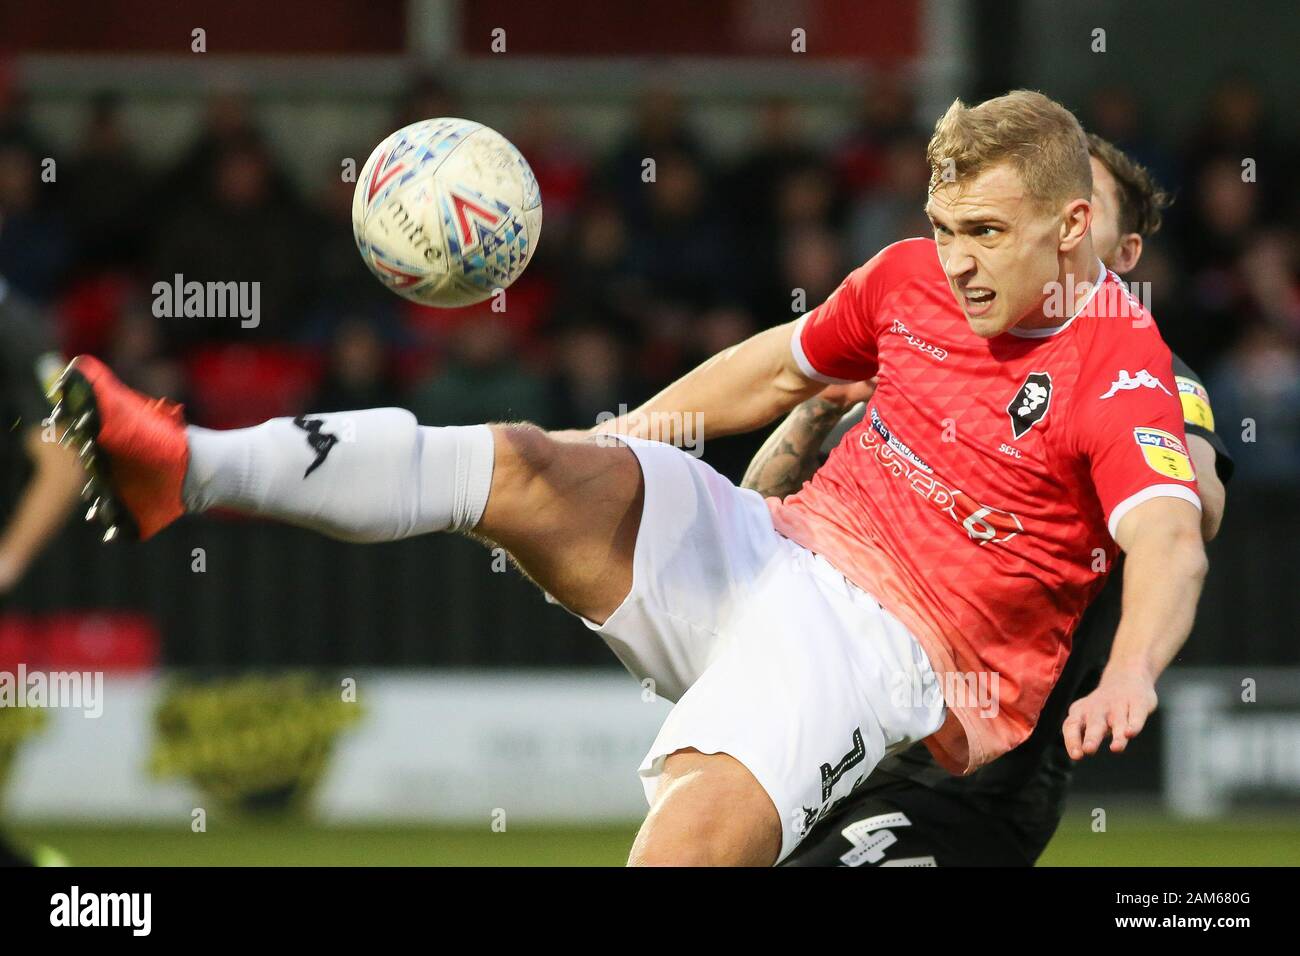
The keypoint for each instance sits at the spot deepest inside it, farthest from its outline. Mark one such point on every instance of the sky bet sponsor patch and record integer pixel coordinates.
(1164, 453)
(1196, 403)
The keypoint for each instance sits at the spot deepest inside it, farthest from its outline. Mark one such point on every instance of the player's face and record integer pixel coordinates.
(1105, 212)
(1000, 249)
(1120, 251)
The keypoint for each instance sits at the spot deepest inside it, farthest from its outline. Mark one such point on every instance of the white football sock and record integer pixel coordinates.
(373, 475)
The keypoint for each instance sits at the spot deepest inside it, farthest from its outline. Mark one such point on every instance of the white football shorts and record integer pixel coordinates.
(771, 655)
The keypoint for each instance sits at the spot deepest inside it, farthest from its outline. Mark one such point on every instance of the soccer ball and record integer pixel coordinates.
(446, 212)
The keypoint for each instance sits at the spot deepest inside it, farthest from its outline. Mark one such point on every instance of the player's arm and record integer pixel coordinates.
(751, 384)
(793, 451)
(1214, 464)
(739, 389)
(43, 506)
(27, 364)
(1164, 568)
(1214, 496)
(1135, 444)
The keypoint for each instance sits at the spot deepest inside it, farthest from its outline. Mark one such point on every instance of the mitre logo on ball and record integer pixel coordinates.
(446, 211)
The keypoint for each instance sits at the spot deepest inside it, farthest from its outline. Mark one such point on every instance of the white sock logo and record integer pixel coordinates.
(321, 442)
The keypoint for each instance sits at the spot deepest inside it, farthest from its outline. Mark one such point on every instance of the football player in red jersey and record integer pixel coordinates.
(911, 812)
(924, 584)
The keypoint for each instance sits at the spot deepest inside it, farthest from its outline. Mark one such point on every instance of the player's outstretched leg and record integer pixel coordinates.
(567, 511)
(708, 810)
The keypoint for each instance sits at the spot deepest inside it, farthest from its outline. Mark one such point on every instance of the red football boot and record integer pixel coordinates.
(132, 446)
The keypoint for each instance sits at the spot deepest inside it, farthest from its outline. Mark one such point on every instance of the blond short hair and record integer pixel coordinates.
(1040, 137)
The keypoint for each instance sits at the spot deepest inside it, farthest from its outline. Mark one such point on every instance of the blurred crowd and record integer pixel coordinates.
(634, 282)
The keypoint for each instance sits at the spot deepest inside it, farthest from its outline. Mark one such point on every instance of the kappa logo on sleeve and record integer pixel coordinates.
(1031, 403)
(1164, 453)
(1141, 379)
(1196, 402)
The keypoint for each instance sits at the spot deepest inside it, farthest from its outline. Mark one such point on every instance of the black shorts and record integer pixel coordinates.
(901, 823)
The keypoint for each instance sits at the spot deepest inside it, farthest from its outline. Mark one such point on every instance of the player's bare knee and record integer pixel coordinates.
(524, 454)
(528, 477)
(539, 471)
(709, 810)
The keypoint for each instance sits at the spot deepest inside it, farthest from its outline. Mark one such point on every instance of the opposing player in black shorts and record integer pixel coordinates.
(911, 812)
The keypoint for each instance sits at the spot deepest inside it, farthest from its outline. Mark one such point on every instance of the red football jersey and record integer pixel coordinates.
(977, 499)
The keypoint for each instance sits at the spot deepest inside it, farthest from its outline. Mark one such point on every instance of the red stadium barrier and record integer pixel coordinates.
(79, 641)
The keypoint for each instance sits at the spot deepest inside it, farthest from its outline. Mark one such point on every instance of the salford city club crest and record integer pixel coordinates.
(1031, 403)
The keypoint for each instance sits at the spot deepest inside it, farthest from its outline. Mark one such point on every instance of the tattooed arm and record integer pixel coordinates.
(792, 453)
